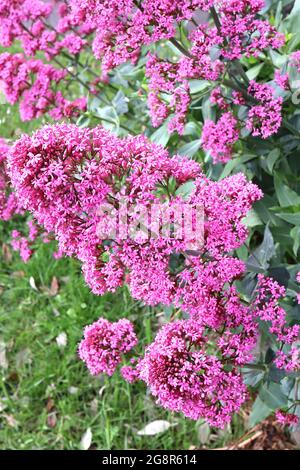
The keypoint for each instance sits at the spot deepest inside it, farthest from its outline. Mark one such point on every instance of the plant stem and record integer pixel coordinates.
(181, 48)
(215, 16)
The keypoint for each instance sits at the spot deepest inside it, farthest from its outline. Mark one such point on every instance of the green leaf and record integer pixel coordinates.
(278, 16)
(278, 59)
(254, 71)
(190, 149)
(259, 260)
(293, 219)
(161, 136)
(185, 189)
(232, 164)
(263, 206)
(109, 117)
(280, 274)
(105, 257)
(294, 42)
(196, 86)
(260, 411)
(272, 396)
(252, 377)
(83, 121)
(192, 129)
(175, 262)
(252, 219)
(272, 159)
(293, 20)
(208, 111)
(120, 103)
(168, 311)
(286, 196)
(295, 234)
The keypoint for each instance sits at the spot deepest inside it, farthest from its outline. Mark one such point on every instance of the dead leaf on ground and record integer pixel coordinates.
(86, 439)
(62, 340)
(6, 253)
(18, 274)
(13, 376)
(52, 420)
(156, 427)
(50, 404)
(11, 421)
(52, 291)
(55, 312)
(65, 279)
(54, 288)
(33, 284)
(204, 433)
(94, 404)
(3, 358)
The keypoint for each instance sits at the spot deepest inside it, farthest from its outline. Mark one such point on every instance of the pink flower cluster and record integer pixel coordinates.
(130, 373)
(45, 30)
(268, 309)
(10, 206)
(64, 174)
(186, 374)
(14, 14)
(237, 33)
(32, 23)
(286, 419)
(23, 242)
(105, 343)
(21, 245)
(219, 138)
(282, 79)
(264, 119)
(185, 377)
(164, 79)
(121, 29)
(239, 22)
(33, 83)
(295, 60)
(123, 26)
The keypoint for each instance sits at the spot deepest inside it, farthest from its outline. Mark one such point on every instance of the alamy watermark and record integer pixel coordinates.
(141, 222)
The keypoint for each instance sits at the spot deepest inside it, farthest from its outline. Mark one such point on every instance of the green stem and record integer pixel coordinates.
(181, 48)
(215, 16)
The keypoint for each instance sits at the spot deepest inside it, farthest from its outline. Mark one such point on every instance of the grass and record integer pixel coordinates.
(47, 397)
